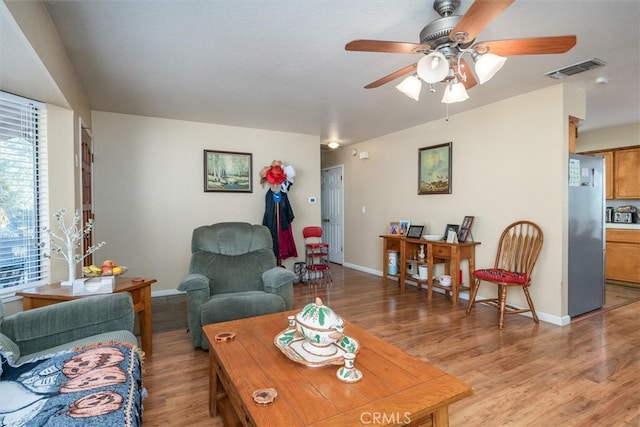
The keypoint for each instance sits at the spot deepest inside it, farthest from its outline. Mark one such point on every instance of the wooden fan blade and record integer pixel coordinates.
(471, 80)
(531, 46)
(477, 17)
(386, 46)
(386, 79)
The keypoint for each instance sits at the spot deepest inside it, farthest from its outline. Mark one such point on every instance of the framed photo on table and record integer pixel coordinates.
(394, 228)
(465, 229)
(415, 231)
(404, 227)
(450, 227)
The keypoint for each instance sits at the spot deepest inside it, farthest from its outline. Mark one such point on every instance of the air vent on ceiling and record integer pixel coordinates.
(580, 67)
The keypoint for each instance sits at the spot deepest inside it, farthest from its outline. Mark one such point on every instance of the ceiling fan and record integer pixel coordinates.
(445, 41)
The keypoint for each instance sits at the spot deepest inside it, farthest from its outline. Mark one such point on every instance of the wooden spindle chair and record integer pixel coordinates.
(518, 251)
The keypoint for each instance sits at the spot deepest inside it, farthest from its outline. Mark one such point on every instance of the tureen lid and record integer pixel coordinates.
(319, 315)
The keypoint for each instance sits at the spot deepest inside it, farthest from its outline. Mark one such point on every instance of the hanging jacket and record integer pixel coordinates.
(283, 245)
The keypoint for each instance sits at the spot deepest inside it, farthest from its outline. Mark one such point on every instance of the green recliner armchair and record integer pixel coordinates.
(43, 331)
(233, 275)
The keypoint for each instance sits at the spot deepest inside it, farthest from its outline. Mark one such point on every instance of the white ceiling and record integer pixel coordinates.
(281, 64)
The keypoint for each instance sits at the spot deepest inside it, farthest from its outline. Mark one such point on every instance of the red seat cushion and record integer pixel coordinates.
(500, 275)
(316, 245)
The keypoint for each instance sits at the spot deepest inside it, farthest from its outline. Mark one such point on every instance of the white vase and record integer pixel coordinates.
(72, 275)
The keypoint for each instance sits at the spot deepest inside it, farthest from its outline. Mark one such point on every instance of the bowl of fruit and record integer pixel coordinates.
(109, 268)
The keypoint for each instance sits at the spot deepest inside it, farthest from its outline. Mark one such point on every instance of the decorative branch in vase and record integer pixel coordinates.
(66, 244)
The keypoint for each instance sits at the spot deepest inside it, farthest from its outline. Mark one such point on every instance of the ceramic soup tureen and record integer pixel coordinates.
(321, 328)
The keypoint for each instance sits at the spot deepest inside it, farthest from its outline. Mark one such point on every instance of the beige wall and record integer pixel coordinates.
(605, 138)
(61, 170)
(149, 188)
(509, 163)
(62, 85)
(34, 65)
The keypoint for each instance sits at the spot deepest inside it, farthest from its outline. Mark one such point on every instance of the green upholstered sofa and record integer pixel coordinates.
(32, 334)
(233, 275)
(75, 363)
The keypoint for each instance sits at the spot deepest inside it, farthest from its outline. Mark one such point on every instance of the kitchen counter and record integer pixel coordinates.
(622, 226)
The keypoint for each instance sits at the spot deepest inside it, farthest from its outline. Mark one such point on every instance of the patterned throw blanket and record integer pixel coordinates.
(99, 385)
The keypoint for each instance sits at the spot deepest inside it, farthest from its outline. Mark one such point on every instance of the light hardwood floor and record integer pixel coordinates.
(583, 374)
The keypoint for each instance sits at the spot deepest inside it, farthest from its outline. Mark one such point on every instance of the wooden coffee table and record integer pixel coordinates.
(140, 294)
(396, 388)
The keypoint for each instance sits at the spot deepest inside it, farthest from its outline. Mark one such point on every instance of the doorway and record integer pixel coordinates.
(86, 188)
(331, 207)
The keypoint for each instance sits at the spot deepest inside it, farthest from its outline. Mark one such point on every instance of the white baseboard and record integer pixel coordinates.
(363, 269)
(166, 293)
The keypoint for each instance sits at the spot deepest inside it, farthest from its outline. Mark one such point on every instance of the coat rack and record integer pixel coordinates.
(280, 180)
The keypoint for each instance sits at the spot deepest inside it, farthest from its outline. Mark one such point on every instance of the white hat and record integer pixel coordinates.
(290, 172)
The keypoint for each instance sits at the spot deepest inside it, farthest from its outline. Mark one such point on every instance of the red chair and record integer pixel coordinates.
(317, 256)
(517, 253)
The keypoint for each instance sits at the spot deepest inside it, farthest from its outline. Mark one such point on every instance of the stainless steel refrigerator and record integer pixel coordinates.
(586, 234)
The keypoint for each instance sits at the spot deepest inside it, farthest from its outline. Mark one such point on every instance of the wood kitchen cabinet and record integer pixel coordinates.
(626, 174)
(623, 255)
(608, 170)
(622, 177)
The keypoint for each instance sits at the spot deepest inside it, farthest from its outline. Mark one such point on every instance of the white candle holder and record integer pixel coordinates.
(348, 373)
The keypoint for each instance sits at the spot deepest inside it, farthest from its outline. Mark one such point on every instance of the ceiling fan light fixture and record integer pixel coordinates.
(454, 92)
(433, 67)
(487, 65)
(333, 145)
(411, 87)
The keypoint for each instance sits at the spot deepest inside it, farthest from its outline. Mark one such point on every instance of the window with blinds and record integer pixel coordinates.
(23, 180)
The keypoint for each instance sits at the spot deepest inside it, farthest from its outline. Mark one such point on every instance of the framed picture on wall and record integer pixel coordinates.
(434, 169)
(228, 171)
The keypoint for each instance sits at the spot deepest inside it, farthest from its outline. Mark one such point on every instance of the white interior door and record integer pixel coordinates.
(331, 210)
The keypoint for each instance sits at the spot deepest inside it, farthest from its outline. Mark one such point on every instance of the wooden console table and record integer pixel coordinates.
(435, 252)
(140, 294)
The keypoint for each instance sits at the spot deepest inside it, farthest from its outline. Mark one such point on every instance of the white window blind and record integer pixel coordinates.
(23, 190)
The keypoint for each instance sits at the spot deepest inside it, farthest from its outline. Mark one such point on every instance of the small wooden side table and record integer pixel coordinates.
(440, 251)
(42, 296)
